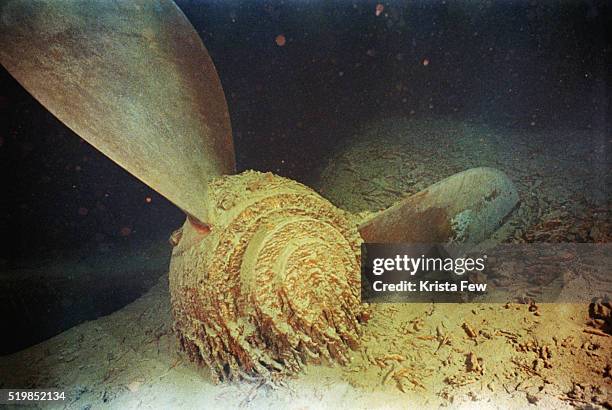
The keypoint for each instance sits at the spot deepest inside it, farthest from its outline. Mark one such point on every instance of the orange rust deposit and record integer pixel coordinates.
(200, 227)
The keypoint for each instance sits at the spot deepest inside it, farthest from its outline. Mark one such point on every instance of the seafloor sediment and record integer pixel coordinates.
(499, 355)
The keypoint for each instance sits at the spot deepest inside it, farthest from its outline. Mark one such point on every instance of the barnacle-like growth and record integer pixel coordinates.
(273, 285)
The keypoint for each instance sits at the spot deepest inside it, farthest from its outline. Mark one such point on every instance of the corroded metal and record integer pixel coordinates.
(274, 284)
(466, 207)
(133, 79)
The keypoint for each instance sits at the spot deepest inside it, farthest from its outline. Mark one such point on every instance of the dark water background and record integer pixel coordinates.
(516, 64)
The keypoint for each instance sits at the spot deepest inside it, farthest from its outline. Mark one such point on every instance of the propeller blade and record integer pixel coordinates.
(134, 80)
(466, 208)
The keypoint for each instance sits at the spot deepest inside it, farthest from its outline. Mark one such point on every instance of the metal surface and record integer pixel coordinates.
(466, 208)
(133, 79)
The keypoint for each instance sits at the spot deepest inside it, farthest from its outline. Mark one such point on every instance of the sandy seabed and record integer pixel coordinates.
(425, 355)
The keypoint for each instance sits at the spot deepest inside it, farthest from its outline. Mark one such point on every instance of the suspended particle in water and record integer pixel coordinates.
(425, 62)
(379, 9)
(148, 200)
(280, 40)
(83, 211)
(125, 231)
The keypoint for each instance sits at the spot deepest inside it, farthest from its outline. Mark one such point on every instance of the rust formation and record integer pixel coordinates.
(273, 285)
